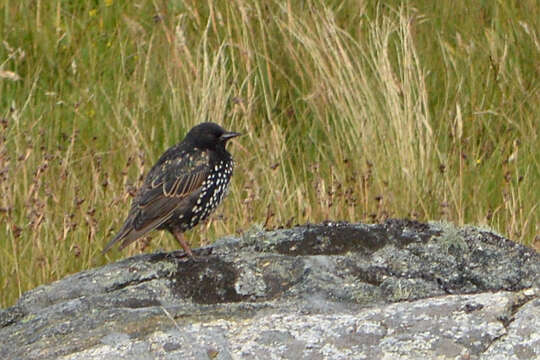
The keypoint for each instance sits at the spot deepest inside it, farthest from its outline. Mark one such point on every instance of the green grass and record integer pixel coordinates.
(352, 110)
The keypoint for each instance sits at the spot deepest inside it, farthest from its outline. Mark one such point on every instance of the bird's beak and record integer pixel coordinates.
(229, 135)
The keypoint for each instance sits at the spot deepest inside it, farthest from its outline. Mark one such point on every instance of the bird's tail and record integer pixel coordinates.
(124, 233)
(129, 233)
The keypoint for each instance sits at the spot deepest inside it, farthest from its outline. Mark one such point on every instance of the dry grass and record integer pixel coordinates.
(351, 111)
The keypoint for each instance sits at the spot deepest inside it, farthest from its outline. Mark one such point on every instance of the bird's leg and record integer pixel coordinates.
(179, 236)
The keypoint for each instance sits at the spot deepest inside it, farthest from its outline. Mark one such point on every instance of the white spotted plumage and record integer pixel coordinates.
(213, 190)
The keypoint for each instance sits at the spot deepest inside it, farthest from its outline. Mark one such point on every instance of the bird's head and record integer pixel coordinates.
(209, 135)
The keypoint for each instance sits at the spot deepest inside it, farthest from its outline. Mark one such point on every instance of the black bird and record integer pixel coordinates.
(183, 188)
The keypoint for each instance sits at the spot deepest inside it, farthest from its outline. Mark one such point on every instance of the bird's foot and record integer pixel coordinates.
(196, 255)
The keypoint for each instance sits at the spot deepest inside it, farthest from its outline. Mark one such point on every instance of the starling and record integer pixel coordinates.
(183, 188)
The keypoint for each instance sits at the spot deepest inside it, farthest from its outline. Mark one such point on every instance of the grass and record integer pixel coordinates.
(352, 110)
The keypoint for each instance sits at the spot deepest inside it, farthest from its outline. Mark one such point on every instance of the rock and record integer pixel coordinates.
(398, 290)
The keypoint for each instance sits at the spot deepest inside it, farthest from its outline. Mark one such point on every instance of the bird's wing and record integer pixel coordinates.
(162, 196)
(166, 185)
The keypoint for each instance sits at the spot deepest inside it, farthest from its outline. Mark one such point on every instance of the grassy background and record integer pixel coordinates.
(352, 110)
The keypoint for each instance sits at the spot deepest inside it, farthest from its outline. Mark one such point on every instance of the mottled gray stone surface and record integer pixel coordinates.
(398, 290)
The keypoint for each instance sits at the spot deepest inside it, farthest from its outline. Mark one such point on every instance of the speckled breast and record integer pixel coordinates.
(214, 188)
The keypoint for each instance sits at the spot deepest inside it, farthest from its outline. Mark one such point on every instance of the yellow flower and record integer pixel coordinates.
(109, 2)
(92, 12)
